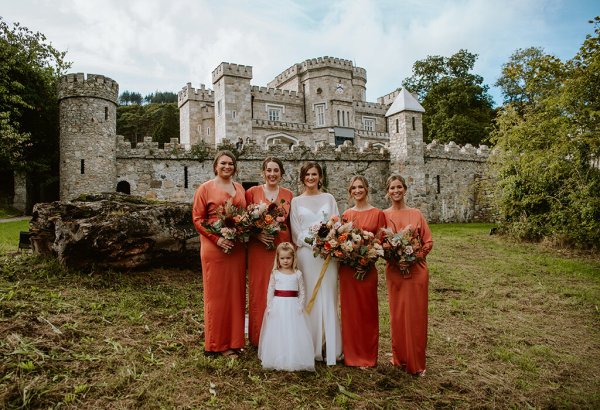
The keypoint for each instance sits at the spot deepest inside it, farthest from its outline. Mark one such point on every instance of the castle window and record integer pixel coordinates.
(105, 113)
(219, 108)
(233, 114)
(185, 177)
(397, 125)
(207, 130)
(274, 112)
(369, 123)
(348, 118)
(413, 123)
(320, 114)
(437, 180)
(338, 118)
(82, 166)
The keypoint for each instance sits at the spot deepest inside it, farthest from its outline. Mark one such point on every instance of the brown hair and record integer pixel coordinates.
(306, 167)
(275, 160)
(353, 180)
(225, 153)
(392, 178)
(285, 246)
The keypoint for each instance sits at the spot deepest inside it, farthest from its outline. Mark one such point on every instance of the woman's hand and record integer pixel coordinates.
(225, 244)
(265, 238)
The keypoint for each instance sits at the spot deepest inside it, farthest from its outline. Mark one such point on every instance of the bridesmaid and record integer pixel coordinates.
(408, 295)
(358, 298)
(223, 275)
(260, 259)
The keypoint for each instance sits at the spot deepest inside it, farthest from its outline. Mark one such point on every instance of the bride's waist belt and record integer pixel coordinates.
(286, 293)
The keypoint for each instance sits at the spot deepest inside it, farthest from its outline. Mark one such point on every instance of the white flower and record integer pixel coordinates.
(347, 246)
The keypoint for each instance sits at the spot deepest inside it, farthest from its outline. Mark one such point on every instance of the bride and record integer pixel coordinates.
(307, 209)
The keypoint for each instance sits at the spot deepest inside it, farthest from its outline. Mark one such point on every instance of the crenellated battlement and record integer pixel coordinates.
(359, 72)
(372, 135)
(281, 125)
(454, 151)
(195, 94)
(277, 94)
(370, 107)
(231, 69)
(389, 98)
(94, 85)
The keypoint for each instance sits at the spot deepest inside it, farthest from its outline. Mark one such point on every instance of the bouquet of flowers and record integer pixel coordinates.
(351, 246)
(268, 219)
(232, 223)
(401, 247)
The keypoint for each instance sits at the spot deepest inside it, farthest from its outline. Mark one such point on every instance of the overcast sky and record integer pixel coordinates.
(149, 45)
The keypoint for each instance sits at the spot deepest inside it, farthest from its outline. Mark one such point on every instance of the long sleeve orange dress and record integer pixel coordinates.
(408, 296)
(260, 262)
(223, 275)
(358, 300)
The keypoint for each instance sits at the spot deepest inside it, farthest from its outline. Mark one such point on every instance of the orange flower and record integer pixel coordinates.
(343, 237)
(363, 261)
(237, 219)
(338, 253)
(268, 219)
(327, 246)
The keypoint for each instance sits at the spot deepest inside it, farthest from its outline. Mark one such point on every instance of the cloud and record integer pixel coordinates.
(149, 45)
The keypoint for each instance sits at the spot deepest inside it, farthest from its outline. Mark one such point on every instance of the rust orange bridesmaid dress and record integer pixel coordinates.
(408, 296)
(223, 275)
(260, 262)
(358, 300)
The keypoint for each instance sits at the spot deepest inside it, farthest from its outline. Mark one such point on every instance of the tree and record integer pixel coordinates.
(159, 121)
(161, 97)
(29, 71)
(528, 76)
(457, 104)
(548, 151)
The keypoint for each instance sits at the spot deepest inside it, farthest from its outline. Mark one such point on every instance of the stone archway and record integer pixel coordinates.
(281, 139)
(124, 187)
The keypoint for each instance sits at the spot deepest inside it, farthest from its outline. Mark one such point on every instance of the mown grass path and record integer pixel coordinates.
(511, 326)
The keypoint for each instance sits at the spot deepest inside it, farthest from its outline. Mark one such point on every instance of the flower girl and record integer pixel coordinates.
(285, 341)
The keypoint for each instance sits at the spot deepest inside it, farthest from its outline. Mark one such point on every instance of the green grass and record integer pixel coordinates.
(511, 325)
(9, 235)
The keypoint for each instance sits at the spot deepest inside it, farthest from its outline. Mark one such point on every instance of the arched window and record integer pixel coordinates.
(124, 187)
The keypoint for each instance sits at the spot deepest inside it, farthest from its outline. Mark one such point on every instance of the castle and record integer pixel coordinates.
(314, 110)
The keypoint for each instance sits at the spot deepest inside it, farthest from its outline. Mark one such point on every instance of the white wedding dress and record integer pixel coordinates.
(323, 320)
(285, 341)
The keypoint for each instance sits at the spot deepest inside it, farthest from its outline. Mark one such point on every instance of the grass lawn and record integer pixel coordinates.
(511, 325)
(9, 235)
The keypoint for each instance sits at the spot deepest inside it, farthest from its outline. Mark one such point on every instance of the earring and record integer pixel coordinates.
(319, 184)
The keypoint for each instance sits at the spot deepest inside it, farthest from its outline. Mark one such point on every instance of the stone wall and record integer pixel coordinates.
(161, 173)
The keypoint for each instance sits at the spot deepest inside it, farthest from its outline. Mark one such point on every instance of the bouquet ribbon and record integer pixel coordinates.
(311, 302)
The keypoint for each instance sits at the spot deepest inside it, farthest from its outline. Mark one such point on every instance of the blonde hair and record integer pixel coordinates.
(285, 246)
(392, 178)
(361, 179)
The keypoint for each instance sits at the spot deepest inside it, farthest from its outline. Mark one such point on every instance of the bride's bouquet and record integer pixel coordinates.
(352, 246)
(268, 219)
(401, 247)
(232, 223)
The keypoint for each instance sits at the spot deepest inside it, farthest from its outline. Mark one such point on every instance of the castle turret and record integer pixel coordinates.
(196, 115)
(233, 101)
(88, 121)
(405, 127)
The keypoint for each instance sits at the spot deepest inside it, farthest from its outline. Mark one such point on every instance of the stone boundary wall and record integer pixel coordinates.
(161, 173)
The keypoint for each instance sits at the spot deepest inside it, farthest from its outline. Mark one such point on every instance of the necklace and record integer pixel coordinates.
(270, 195)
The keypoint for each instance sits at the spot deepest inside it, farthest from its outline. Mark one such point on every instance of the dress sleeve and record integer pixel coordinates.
(334, 207)
(425, 237)
(200, 213)
(301, 291)
(270, 291)
(249, 199)
(296, 226)
(381, 222)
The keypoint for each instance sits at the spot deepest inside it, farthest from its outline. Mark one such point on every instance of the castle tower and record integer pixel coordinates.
(405, 127)
(233, 101)
(196, 115)
(88, 122)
